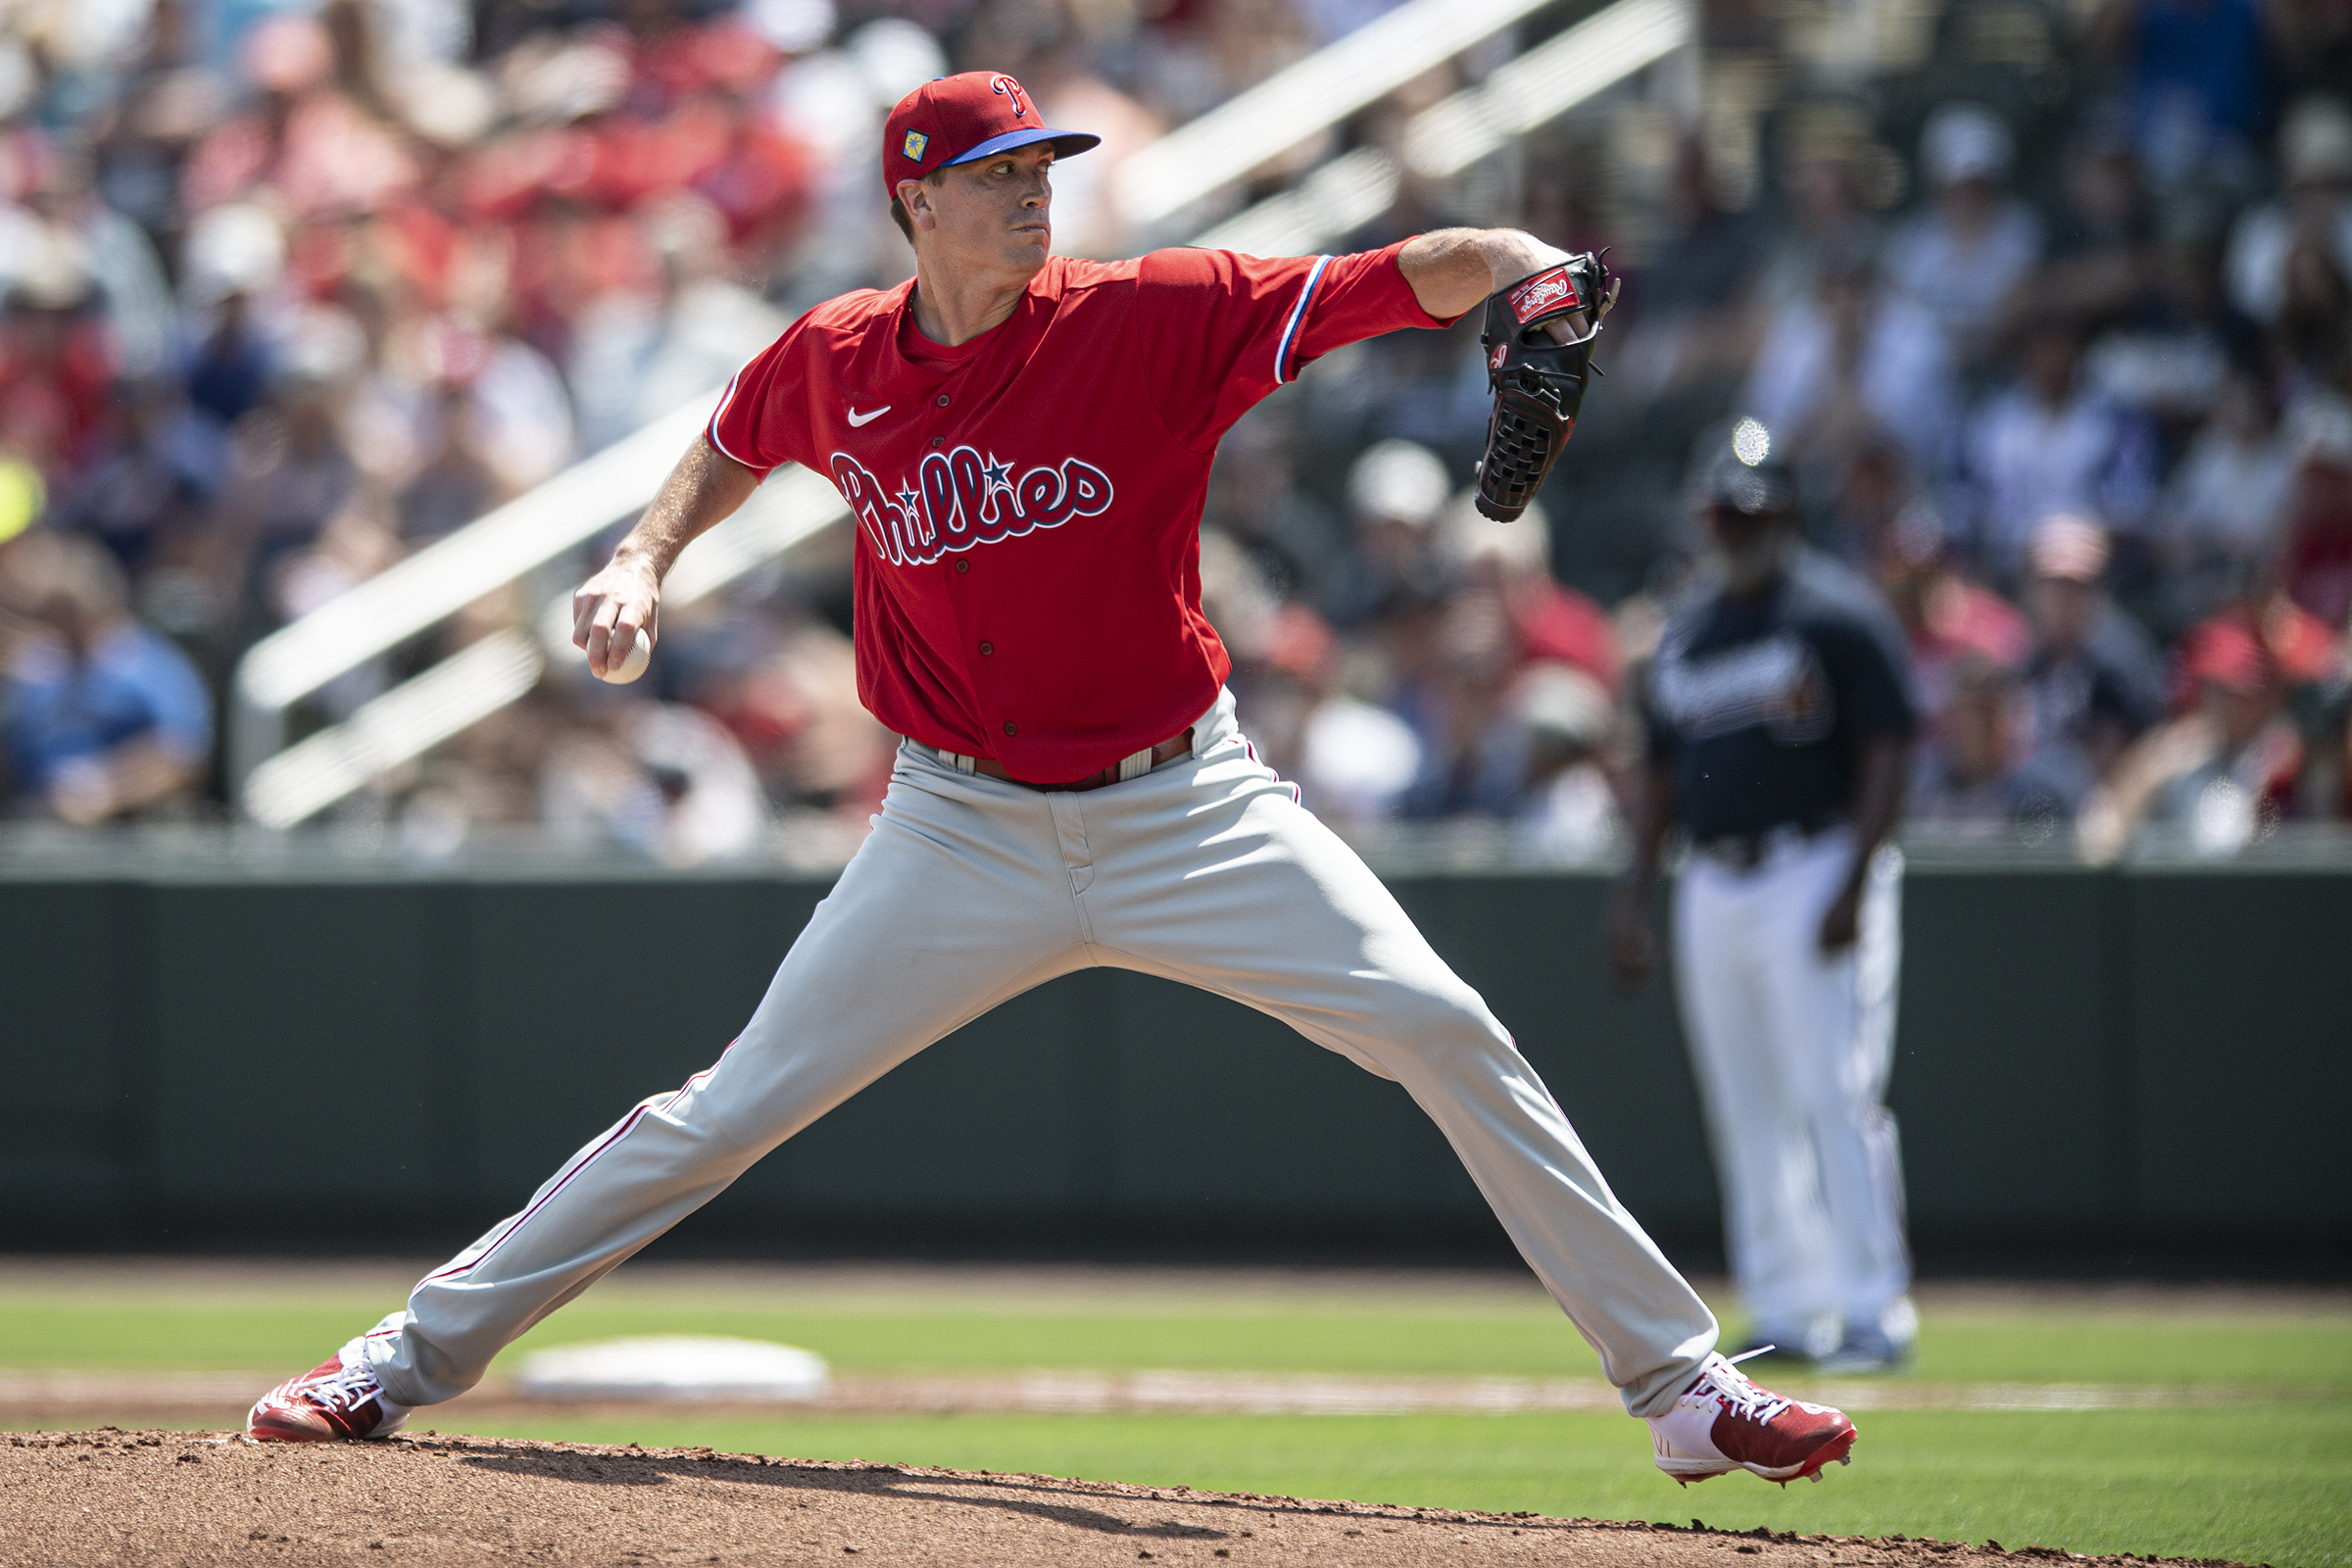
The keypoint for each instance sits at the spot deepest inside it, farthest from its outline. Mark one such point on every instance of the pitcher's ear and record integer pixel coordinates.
(916, 197)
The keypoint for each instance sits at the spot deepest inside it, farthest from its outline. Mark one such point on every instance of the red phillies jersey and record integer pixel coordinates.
(1029, 502)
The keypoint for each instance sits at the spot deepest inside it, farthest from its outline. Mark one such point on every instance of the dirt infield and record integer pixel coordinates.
(206, 1497)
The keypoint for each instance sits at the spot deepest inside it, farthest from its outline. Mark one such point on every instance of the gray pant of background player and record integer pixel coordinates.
(1792, 1051)
(970, 891)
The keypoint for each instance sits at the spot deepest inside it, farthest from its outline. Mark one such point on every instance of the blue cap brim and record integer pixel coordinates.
(1066, 143)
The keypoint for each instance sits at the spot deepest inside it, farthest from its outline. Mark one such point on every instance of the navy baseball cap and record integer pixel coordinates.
(957, 119)
(1745, 473)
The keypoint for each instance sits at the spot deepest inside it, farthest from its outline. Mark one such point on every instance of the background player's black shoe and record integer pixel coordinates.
(1884, 1345)
(1866, 1351)
(1786, 1343)
(1765, 1348)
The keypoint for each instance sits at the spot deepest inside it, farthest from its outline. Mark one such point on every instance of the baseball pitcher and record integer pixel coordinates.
(1025, 441)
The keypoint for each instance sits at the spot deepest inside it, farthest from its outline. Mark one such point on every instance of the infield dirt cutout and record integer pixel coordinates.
(206, 1497)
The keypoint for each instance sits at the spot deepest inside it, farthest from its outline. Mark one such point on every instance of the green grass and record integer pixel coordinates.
(2307, 1351)
(2268, 1482)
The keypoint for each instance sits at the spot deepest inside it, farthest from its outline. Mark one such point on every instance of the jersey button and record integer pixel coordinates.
(943, 400)
(939, 440)
(963, 563)
(1010, 728)
(987, 648)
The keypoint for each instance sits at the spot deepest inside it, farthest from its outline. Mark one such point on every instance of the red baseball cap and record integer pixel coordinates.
(956, 120)
(2227, 654)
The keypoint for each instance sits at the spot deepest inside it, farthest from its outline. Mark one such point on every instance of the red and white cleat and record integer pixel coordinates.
(334, 1401)
(1723, 1422)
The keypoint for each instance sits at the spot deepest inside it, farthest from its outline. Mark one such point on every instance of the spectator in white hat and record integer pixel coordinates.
(2315, 152)
(1962, 255)
(1396, 493)
(1568, 811)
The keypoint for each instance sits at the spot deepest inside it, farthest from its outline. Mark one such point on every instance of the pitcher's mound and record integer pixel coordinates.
(206, 1498)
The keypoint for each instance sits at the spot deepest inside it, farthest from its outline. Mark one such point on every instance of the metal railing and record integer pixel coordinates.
(1449, 136)
(1300, 100)
(468, 686)
(419, 593)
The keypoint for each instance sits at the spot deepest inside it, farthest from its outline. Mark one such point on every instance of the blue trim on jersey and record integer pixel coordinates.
(1289, 328)
(710, 430)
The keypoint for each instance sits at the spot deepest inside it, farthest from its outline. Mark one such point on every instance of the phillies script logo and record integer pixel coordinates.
(1543, 292)
(1012, 90)
(964, 500)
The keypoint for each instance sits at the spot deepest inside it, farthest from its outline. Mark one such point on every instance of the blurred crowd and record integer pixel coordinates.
(2050, 305)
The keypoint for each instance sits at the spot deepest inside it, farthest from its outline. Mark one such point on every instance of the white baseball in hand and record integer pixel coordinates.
(632, 664)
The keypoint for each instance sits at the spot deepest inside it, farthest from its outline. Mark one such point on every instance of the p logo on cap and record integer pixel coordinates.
(975, 114)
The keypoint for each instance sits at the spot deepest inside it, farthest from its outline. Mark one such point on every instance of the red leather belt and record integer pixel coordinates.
(1167, 751)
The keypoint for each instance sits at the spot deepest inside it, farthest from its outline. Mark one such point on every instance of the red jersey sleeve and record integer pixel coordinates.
(1219, 330)
(762, 419)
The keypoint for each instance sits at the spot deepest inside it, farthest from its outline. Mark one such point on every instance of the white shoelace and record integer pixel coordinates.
(1731, 1388)
(347, 1389)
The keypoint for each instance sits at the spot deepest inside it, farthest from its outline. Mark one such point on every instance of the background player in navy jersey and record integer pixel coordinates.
(1025, 443)
(1780, 732)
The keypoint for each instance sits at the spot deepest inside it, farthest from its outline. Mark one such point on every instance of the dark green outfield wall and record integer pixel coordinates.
(2089, 1062)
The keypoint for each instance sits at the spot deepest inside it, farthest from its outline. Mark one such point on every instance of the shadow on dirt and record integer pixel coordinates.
(653, 1470)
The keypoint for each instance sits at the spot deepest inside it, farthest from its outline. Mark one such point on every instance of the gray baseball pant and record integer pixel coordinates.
(970, 891)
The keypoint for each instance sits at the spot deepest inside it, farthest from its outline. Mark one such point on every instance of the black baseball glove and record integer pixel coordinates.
(1539, 338)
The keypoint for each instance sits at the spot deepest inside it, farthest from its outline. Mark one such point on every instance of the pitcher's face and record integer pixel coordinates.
(992, 216)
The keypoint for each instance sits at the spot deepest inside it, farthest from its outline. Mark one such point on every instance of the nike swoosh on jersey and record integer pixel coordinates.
(857, 418)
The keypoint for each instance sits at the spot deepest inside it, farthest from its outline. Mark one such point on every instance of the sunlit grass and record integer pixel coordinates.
(1501, 1331)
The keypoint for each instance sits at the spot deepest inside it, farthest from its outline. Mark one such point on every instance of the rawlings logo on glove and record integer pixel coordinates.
(1539, 336)
(1536, 296)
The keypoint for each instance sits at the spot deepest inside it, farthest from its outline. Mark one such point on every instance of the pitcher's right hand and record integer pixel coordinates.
(612, 610)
